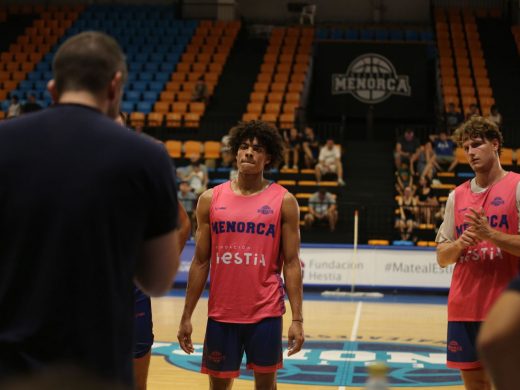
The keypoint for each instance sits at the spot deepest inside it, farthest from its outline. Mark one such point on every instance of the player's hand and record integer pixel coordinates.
(296, 338)
(479, 224)
(468, 238)
(184, 336)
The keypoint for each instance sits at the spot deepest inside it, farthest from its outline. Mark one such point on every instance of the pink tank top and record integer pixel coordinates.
(484, 270)
(246, 260)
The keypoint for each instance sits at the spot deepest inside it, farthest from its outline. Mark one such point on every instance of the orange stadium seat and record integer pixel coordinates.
(173, 119)
(197, 107)
(249, 116)
(192, 148)
(192, 119)
(137, 119)
(155, 119)
(173, 148)
(180, 107)
(211, 149)
(257, 97)
(162, 107)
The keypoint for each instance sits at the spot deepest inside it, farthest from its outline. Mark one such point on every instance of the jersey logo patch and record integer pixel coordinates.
(497, 201)
(265, 210)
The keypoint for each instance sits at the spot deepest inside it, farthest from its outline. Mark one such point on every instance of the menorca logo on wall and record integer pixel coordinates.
(342, 363)
(371, 78)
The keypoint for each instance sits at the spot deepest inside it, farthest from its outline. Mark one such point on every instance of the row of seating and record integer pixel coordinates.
(464, 77)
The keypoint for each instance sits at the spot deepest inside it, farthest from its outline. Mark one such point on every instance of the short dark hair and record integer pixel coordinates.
(265, 133)
(87, 62)
(478, 127)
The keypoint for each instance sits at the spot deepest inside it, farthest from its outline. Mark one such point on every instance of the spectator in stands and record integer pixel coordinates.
(426, 200)
(196, 176)
(293, 140)
(407, 150)
(31, 105)
(407, 216)
(426, 161)
(444, 149)
(452, 117)
(225, 152)
(14, 108)
(329, 161)
(322, 207)
(473, 111)
(310, 147)
(495, 116)
(188, 200)
(403, 179)
(200, 91)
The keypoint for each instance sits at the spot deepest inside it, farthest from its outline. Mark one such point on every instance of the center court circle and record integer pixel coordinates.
(343, 363)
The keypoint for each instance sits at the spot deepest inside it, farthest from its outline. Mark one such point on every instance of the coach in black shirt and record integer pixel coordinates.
(86, 208)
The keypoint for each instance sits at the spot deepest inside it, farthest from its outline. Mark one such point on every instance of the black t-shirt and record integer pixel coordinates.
(409, 146)
(78, 196)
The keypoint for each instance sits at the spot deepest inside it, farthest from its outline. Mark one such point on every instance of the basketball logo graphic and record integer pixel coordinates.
(371, 78)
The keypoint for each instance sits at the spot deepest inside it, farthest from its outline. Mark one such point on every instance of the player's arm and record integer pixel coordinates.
(499, 341)
(199, 270)
(184, 227)
(292, 270)
(157, 264)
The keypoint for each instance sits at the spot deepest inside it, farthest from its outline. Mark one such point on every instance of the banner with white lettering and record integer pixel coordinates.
(371, 267)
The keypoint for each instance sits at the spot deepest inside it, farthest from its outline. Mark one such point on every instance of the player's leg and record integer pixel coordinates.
(143, 336)
(222, 354)
(462, 354)
(265, 381)
(475, 379)
(263, 346)
(309, 220)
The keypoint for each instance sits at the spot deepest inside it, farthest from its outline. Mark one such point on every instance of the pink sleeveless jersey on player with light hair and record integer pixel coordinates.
(484, 270)
(246, 260)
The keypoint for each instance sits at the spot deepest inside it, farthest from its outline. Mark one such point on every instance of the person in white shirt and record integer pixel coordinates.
(329, 161)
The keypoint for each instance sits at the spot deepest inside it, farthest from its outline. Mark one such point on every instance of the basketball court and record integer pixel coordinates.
(408, 333)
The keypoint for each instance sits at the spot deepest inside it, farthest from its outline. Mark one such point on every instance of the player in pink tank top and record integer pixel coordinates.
(247, 235)
(485, 248)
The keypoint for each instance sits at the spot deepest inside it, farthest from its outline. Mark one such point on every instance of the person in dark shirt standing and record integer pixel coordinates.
(87, 208)
(31, 105)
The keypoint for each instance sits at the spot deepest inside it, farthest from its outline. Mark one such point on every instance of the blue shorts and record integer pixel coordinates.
(461, 346)
(225, 344)
(143, 334)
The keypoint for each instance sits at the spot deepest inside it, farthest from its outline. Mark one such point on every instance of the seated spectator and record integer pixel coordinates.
(426, 161)
(196, 174)
(403, 179)
(293, 141)
(495, 116)
(322, 207)
(444, 149)
(225, 152)
(407, 150)
(200, 91)
(473, 111)
(329, 161)
(452, 117)
(407, 216)
(188, 200)
(31, 105)
(426, 200)
(310, 147)
(14, 108)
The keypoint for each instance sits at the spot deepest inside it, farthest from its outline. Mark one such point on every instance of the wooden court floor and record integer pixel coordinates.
(388, 327)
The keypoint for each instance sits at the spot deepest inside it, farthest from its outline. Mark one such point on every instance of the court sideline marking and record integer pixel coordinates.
(355, 327)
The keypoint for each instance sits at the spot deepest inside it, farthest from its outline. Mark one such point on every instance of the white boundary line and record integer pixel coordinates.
(355, 327)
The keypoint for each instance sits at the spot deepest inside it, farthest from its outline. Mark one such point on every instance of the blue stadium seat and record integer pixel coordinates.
(150, 96)
(151, 67)
(163, 77)
(351, 34)
(127, 106)
(367, 35)
(144, 107)
(34, 76)
(336, 34)
(396, 35)
(382, 35)
(321, 33)
(426, 36)
(157, 57)
(41, 85)
(26, 85)
(133, 96)
(411, 35)
(146, 76)
(156, 86)
(167, 66)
